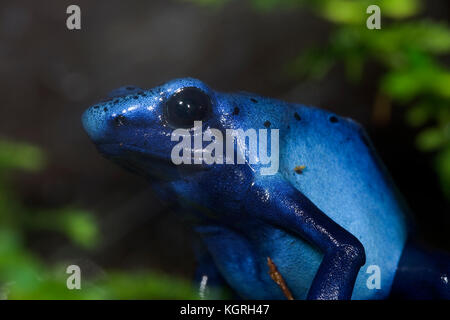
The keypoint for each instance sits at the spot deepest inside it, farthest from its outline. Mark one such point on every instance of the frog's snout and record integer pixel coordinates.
(94, 123)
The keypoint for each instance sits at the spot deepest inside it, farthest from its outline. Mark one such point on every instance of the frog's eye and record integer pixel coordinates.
(186, 106)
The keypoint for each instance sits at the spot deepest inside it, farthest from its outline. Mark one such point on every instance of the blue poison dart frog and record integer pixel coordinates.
(327, 224)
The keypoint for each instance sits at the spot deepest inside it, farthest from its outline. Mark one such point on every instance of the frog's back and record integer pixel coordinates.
(343, 177)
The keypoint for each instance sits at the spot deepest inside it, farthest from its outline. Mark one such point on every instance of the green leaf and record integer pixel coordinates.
(80, 227)
(23, 156)
(399, 8)
(422, 77)
(431, 139)
(146, 285)
(346, 12)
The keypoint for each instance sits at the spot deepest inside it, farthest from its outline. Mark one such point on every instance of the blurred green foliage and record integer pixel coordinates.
(23, 275)
(408, 49)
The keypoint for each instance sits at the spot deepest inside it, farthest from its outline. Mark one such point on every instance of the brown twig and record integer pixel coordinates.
(276, 276)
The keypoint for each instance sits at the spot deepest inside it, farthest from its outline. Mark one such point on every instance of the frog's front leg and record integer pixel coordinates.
(275, 200)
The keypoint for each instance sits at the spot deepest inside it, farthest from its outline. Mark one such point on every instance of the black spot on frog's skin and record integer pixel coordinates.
(333, 119)
(120, 120)
(236, 111)
(116, 101)
(253, 100)
(95, 107)
(267, 124)
(105, 109)
(136, 97)
(297, 116)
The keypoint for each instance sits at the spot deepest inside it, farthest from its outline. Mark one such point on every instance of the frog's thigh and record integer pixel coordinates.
(239, 263)
(208, 278)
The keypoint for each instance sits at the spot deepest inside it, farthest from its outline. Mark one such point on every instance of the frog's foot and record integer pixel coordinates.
(278, 278)
(422, 274)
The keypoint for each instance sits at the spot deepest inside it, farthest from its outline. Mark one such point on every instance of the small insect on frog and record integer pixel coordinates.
(308, 230)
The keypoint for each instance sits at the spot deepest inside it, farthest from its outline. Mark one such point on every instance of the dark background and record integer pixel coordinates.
(49, 75)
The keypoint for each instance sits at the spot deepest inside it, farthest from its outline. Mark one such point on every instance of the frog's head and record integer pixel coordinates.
(133, 127)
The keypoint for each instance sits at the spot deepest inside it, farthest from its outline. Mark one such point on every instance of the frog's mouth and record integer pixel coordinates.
(140, 161)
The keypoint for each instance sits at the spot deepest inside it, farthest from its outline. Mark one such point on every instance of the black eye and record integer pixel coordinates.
(186, 106)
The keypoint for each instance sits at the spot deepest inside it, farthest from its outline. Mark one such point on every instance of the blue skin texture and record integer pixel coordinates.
(322, 228)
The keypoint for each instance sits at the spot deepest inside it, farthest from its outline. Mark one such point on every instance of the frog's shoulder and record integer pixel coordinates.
(250, 110)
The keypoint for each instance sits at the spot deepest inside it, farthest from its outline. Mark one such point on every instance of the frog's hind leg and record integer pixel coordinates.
(210, 282)
(422, 274)
(239, 263)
